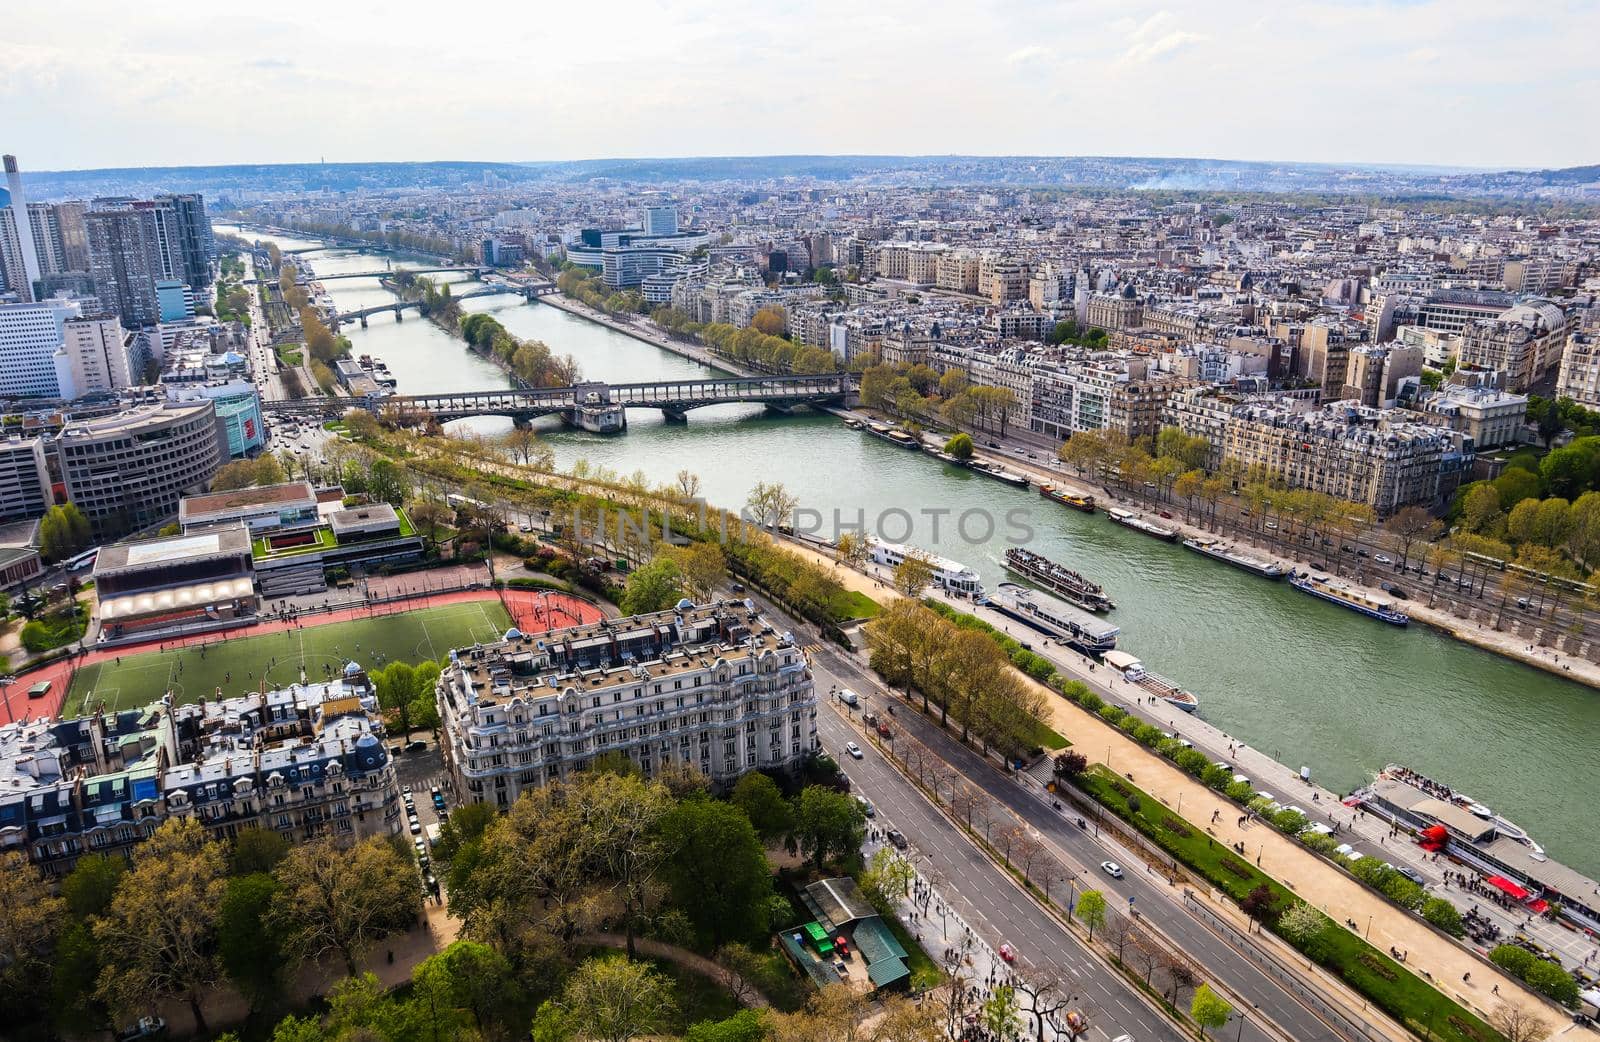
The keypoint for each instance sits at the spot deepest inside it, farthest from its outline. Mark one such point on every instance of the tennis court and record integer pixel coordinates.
(239, 664)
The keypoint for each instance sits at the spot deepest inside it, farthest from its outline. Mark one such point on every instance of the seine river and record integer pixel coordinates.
(1309, 682)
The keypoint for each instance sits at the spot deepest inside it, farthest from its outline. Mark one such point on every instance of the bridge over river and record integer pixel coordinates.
(598, 407)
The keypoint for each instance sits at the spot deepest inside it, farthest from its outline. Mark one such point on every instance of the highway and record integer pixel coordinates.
(1014, 917)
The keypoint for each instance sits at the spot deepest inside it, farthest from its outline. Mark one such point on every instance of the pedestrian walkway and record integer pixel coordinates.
(689, 960)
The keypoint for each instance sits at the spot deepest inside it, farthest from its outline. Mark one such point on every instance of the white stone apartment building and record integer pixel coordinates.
(712, 687)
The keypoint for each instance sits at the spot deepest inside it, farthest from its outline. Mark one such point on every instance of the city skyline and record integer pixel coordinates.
(1332, 82)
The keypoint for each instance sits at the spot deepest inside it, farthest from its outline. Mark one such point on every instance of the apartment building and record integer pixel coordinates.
(24, 479)
(1378, 457)
(957, 270)
(306, 761)
(1490, 416)
(710, 686)
(1002, 278)
(1579, 377)
(1525, 342)
(1115, 310)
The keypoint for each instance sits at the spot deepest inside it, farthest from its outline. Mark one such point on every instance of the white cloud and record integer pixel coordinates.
(102, 83)
(1029, 54)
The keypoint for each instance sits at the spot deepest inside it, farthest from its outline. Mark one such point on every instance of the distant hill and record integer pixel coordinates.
(1119, 173)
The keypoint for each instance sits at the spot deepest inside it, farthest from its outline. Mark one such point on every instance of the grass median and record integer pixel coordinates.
(1396, 990)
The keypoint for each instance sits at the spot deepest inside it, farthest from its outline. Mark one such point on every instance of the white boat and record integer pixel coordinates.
(949, 575)
(1055, 617)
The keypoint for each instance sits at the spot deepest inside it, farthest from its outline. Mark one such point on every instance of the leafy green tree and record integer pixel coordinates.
(960, 446)
(828, 824)
(758, 796)
(999, 1013)
(744, 1026)
(656, 586)
(466, 978)
(256, 850)
(1444, 915)
(1091, 908)
(30, 920)
(912, 575)
(248, 941)
(343, 900)
(718, 873)
(397, 690)
(1209, 1009)
(466, 824)
(610, 999)
(158, 937)
(92, 883)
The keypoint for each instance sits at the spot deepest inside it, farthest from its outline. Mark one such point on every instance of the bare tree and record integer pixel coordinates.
(1181, 976)
(1028, 851)
(1518, 1024)
(1118, 932)
(1049, 993)
(1145, 953)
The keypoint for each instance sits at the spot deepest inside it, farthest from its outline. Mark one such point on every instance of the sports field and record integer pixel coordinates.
(237, 665)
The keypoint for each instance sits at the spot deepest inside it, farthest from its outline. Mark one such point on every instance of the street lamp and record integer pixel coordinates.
(1240, 1033)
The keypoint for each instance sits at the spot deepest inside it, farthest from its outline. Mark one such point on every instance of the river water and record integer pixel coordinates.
(1309, 682)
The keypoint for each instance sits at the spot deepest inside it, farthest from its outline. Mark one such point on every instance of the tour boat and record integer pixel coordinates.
(1072, 626)
(1058, 579)
(949, 575)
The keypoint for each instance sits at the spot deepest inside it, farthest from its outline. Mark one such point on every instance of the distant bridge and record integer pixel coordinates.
(492, 288)
(598, 407)
(382, 273)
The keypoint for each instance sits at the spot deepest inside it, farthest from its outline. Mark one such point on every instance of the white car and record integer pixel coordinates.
(1383, 558)
(1112, 869)
(853, 749)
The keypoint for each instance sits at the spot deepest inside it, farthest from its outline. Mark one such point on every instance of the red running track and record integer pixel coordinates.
(532, 611)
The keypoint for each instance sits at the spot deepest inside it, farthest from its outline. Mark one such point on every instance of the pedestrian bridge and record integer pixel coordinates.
(397, 306)
(596, 406)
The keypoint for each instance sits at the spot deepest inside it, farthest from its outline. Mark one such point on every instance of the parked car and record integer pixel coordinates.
(1384, 559)
(866, 806)
(147, 1027)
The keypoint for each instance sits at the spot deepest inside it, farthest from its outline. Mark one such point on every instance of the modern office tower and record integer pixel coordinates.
(190, 239)
(30, 336)
(23, 230)
(660, 220)
(126, 259)
(13, 273)
(74, 236)
(128, 471)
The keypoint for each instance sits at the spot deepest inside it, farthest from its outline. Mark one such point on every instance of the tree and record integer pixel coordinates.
(770, 505)
(688, 484)
(92, 883)
(626, 816)
(1301, 923)
(853, 549)
(610, 999)
(1071, 764)
(63, 531)
(1091, 909)
(158, 937)
(525, 446)
(747, 1025)
(828, 824)
(30, 921)
(960, 446)
(656, 586)
(1518, 1023)
(912, 575)
(1444, 915)
(702, 565)
(998, 1014)
(249, 943)
(467, 976)
(769, 320)
(429, 515)
(1209, 1009)
(1410, 524)
(771, 815)
(333, 899)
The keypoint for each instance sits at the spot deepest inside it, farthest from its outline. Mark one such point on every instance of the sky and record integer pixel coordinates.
(1482, 83)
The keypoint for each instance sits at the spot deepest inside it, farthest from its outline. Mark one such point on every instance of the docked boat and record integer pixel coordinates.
(1336, 593)
(1058, 579)
(952, 576)
(1056, 618)
(892, 435)
(1463, 829)
(1134, 672)
(995, 470)
(1229, 554)
(1070, 499)
(1128, 519)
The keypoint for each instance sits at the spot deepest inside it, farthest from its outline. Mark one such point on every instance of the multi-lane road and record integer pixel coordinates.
(990, 901)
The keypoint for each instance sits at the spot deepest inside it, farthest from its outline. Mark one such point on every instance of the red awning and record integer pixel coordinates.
(1437, 833)
(1507, 886)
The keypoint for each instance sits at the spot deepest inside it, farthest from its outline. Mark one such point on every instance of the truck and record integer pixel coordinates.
(433, 833)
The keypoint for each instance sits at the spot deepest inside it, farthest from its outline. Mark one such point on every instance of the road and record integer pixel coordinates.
(1015, 918)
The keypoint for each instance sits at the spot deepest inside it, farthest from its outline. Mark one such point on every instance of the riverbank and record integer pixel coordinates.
(641, 330)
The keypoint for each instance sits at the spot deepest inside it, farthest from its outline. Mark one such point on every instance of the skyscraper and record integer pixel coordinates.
(13, 273)
(191, 238)
(125, 257)
(23, 230)
(47, 244)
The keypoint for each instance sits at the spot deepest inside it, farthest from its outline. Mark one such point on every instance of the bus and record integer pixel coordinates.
(83, 560)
